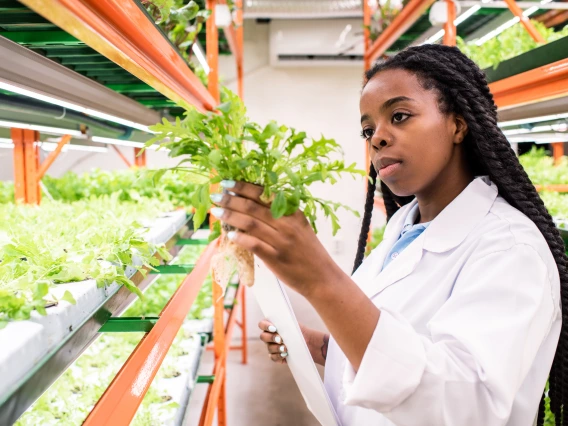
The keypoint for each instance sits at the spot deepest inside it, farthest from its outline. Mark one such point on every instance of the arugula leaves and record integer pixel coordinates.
(224, 145)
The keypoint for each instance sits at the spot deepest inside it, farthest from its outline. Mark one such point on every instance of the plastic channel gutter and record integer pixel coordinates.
(44, 373)
(405, 19)
(121, 31)
(124, 395)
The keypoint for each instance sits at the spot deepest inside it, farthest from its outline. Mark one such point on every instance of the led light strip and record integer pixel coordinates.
(50, 146)
(94, 113)
(200, 57)
(533, 120)
(43, 129)
(436, 37)
(75, 133)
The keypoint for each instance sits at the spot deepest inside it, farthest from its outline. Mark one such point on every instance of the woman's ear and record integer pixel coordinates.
(461, 129)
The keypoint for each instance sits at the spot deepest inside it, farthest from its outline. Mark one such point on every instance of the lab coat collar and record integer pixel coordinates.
(450, 228)
(444, 233)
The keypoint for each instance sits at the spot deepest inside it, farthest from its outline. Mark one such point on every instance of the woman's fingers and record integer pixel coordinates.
(266, 325)
(243, 189)
(271, 338)
(279, 358)
(273, 348)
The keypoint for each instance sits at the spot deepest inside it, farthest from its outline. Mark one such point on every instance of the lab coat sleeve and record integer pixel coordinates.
(481, 345)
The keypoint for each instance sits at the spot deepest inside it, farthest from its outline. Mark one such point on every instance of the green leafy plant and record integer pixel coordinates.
(131, 185)
(376, 239)
(384, 14)
(510, 43)
(223, 145)
(540, 167)
(93, 239)
(6, 192)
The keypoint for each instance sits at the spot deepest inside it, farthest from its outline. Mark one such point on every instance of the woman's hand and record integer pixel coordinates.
(316, 341)
(288, 245)
(277, 350)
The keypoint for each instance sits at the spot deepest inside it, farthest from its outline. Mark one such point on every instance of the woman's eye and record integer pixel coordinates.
(367, 133)
(399, 117)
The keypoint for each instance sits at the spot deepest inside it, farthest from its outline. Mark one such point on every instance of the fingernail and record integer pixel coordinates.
(278, 339)
(217, 212)
(216, 198)
(272, 329)
(283, 349)
(228, 183)
(231, 235)
(284, 355)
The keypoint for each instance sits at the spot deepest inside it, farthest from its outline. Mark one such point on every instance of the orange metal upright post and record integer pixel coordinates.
(212, 46)
(19, 165)
(557, 152)
(367, 31)
(240, 47)
(450, 27)
(139, 159)
(518, 12)
(30, 137)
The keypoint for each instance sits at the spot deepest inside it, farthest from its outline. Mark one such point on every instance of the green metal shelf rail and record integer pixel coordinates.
(22, 25)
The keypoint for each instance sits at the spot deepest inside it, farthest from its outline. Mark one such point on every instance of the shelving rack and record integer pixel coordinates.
(112, 68)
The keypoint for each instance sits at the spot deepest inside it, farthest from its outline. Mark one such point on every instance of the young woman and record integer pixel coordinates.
(455, 319)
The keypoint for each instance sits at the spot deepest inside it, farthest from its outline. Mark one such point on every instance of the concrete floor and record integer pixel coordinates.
(258, 394)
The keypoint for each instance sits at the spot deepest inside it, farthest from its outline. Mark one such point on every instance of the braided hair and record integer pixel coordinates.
(463, 90)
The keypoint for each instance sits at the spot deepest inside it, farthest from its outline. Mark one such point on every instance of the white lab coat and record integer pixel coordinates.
(470, 320)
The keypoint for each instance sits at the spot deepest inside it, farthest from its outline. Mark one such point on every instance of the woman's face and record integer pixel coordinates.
(411, 143)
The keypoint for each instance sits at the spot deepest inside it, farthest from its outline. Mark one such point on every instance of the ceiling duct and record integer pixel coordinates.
(300, 9)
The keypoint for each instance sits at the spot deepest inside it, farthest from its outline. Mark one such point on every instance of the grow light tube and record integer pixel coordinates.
(506, 25)
(51, 146)
(121, 142)
(43, 129)
(436, 37)
(69, 105)
(200, 57)
(533, 120)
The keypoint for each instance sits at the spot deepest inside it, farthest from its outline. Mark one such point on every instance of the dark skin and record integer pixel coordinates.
(400, 120)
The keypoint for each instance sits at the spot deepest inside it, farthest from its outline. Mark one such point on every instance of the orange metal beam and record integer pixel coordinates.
(19, 165)
(121, 155)
(122, 32)
(544, 83)
(240, 47)
(51, 157)
(139, 158)
(557, 152)
(407, 17)
(554, 188)
(531, 29)
(122, 398)
(212, 45)
(449, 26)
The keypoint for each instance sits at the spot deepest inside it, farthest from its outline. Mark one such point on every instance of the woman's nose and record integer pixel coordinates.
(379, 140)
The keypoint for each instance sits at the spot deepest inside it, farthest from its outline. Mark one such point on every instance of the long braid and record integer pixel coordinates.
(366, 226)
(464, 91)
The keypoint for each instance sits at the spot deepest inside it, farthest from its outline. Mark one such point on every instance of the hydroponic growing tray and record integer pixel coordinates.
(35, 352)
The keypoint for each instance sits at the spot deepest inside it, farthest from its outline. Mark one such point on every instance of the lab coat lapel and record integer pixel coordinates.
(369, 276)
(398, 269)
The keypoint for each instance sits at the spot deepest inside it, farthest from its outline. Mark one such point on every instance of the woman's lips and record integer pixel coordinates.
(389, 170)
